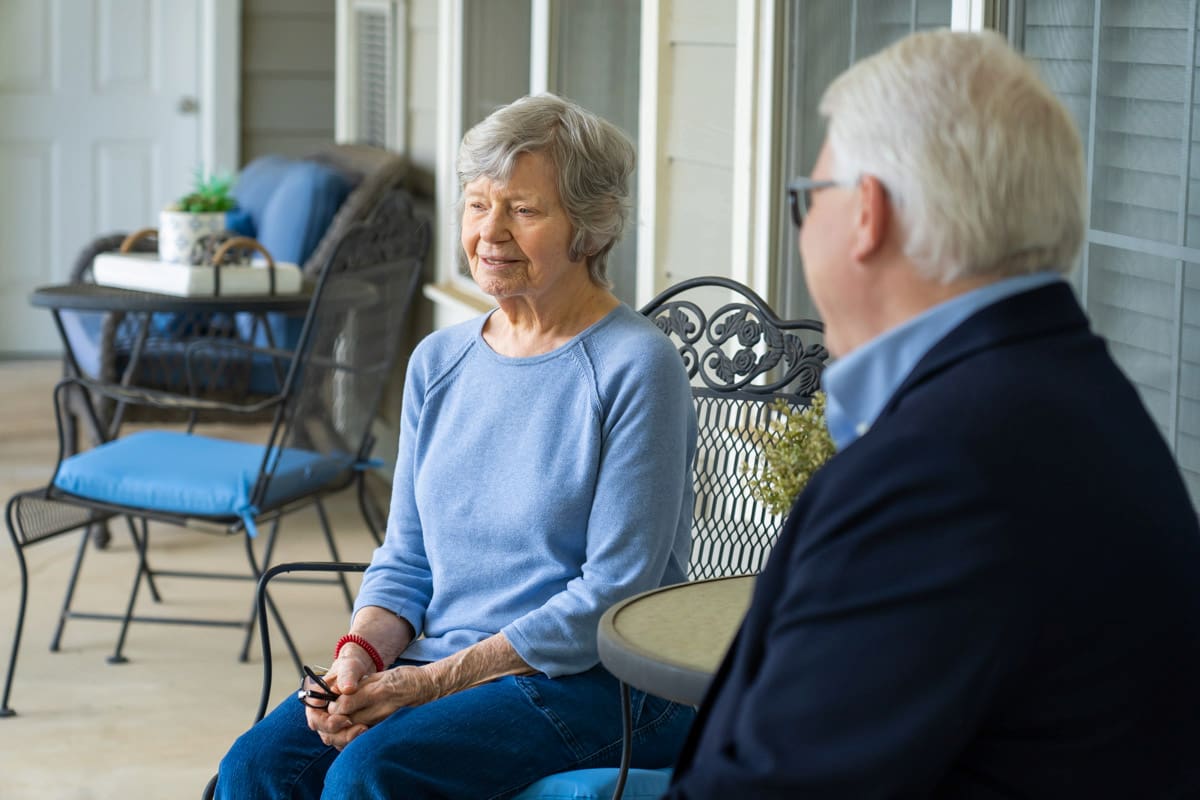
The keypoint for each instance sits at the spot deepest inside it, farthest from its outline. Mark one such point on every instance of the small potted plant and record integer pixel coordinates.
(794, 446)
(198, 214)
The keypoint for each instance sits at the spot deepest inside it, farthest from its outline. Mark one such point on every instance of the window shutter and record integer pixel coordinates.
(374, 54)
(1127, 71)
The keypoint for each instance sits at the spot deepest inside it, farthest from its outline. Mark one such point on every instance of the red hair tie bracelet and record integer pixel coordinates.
(353, 638)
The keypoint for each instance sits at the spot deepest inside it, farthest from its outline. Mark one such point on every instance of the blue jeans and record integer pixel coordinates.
(485, 742)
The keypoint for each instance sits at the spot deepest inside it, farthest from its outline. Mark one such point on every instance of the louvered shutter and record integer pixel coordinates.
(374, 54)
(1127, 71)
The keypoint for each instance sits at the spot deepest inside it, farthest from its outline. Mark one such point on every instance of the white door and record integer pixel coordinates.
(98, 130)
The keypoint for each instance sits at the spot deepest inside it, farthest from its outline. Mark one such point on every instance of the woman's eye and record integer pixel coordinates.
(523, 211)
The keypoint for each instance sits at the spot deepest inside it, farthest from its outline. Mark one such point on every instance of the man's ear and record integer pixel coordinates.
(874, 217)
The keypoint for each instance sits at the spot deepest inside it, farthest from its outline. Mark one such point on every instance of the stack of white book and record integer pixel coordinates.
(144, 272)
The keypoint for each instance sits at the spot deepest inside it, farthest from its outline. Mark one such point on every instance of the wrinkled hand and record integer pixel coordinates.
(367, 698)
(343, 677)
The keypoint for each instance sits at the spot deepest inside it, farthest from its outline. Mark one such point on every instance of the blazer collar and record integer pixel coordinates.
(1039, 312)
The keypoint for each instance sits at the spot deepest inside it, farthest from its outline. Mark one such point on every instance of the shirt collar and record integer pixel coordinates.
(859, 385)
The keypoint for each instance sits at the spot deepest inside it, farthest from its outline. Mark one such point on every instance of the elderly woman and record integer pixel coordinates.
(543, 474)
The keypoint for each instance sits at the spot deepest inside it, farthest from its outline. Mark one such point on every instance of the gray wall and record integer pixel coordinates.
(696, 182)
(421, 94)
(287, 76)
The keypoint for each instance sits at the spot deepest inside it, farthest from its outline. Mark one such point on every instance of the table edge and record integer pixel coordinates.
(632, 664)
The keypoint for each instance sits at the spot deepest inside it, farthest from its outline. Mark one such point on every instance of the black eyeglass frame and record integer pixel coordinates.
(325, 695)
(800, 192)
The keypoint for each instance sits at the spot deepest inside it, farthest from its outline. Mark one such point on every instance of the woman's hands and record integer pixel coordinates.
(366, 697)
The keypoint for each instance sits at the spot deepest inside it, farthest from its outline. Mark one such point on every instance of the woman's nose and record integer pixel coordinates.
(492, 227)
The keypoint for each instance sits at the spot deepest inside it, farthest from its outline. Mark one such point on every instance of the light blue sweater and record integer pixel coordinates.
(531, 494)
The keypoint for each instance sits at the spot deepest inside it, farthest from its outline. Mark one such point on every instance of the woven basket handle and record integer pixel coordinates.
(242, 241)
(136, 237)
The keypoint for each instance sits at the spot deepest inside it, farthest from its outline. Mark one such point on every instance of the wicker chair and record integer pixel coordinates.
(378, 174)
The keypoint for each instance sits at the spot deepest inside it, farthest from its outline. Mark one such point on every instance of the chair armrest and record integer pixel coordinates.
(263, 602)
(156, 398)
(218, 342)
(81, 270)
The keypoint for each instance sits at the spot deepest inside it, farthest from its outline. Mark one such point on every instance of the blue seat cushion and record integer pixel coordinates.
(598, 784)
(199, 476)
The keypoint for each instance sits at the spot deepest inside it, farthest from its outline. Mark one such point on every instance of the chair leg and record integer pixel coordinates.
(5, 709)
(333, 551)
(293, 651)
(268, 551)
(144, 562)
(263, 600)
(626, 742)
(140, 542)
(56, 639)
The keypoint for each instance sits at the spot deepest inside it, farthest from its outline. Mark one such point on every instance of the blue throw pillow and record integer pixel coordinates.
(255, 185)
(300, 210)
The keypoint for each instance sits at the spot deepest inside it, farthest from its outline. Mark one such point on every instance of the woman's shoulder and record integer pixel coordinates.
(631, 342)
(625, 327)
(440, 349)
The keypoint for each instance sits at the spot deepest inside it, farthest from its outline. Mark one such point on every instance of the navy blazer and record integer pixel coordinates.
(994, 593)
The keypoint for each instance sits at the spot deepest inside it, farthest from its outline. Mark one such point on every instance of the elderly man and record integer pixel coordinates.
(993, 589)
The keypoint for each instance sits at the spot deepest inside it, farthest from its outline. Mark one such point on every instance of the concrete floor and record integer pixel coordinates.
(154, 727)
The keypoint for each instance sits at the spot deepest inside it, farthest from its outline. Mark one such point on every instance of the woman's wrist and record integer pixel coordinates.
(364, 645)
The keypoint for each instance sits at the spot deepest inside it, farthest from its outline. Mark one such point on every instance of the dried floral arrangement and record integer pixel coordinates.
(794, 446)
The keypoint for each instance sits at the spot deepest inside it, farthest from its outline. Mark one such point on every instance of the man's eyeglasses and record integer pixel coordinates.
(319, 696)
(800, 193)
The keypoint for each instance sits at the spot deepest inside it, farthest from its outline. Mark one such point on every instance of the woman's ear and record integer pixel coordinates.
(873, 218)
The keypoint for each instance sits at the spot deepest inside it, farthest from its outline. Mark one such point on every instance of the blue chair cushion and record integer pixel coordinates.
(287, 205)
(598, 784)
(194, 475)
(255, 185)
(300, 210)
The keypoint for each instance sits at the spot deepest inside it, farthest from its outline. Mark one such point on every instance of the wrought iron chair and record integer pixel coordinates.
(318, 443)
(741, 358)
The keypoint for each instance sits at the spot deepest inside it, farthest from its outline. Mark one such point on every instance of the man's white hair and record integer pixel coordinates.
(982, 162)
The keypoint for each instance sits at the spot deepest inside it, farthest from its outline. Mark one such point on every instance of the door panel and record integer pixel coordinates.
(92, 138)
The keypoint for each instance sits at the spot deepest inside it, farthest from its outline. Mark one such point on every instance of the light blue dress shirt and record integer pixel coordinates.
(859, 385)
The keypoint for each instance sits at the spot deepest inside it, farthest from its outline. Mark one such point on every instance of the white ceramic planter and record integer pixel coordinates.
(178, 232)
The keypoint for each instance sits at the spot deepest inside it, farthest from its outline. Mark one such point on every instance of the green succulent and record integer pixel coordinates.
(794, 446)
(209, 193)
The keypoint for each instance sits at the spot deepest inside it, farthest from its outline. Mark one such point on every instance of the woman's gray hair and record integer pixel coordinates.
(592, 158)
(982, 162)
